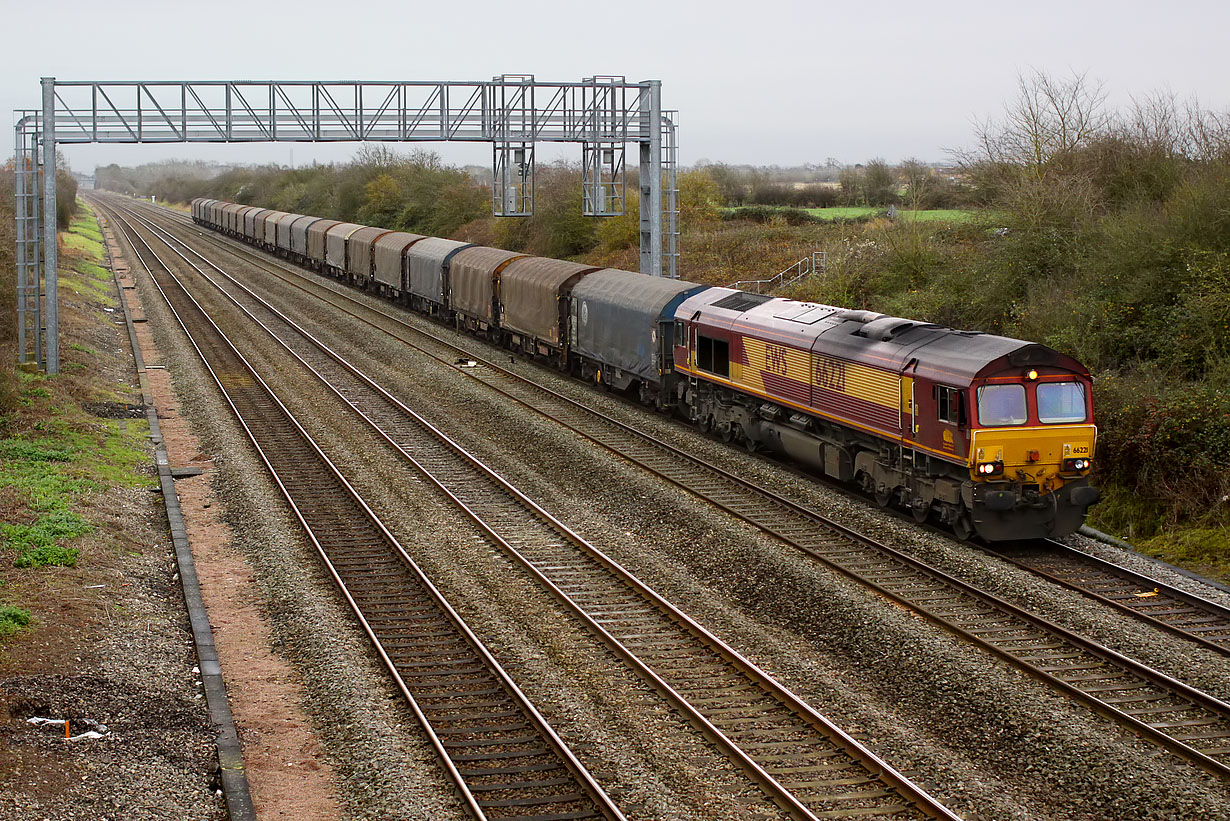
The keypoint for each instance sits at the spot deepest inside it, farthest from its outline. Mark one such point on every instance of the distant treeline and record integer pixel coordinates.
(379, 187)
(419, 193)
(912, 183)
(140, 180)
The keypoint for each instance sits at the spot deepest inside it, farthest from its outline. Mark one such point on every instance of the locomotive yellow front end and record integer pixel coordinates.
(1031, 453)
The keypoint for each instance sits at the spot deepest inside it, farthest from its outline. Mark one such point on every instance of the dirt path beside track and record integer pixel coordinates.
(282, 755)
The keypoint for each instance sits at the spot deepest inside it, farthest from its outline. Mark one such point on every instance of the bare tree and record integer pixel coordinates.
(1156, 122)
(378, 156)
(1162, 123)
(1048, 119)
(1206, 134)
(917, 177)
(851, 181)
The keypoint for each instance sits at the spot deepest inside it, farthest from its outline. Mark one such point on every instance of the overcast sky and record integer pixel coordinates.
(755, 81)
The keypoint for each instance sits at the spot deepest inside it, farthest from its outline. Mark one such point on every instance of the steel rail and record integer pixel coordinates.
(548, 575)
(905, 590)
(592, 801)
(1164, 606)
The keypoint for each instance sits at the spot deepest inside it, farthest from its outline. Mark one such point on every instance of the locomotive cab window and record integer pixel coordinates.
(713, 355)
(1061, 402)
(1000, 405)
(681, 335)
(948, 405)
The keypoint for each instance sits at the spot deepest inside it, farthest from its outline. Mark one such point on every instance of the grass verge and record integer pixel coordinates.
(1205, 550)
(860, 212)
(57, 460)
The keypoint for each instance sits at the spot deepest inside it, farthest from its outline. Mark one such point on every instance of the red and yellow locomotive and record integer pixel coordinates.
(992, 435)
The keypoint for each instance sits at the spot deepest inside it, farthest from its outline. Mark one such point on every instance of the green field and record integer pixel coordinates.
(854, 212)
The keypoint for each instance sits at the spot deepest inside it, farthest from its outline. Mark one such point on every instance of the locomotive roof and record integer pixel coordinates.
(942, 354)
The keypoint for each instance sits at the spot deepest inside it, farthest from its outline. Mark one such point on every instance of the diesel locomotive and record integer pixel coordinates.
(990, 435)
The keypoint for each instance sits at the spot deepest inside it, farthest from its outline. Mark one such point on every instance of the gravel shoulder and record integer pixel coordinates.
(383, 766)
(109, 641)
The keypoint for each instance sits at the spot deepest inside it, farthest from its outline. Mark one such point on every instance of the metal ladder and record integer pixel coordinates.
(670, 195)
(29, 224)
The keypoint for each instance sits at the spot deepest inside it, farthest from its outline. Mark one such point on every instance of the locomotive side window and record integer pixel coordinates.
(1000, 405)
(681, 335)
(713, 355)
(1061, 402)
(948, 403)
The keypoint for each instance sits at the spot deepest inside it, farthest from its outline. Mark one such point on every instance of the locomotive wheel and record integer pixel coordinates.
(728, 432)
(963, 526)
(884, 497)
(866, 482)
(751, 444)
(921, 514)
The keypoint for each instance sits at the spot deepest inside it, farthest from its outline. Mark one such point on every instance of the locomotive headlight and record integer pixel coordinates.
(990, 468)
(1031, 376)
(1076, 464)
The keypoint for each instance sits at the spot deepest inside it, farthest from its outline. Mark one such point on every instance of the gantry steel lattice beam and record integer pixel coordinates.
(512, 112)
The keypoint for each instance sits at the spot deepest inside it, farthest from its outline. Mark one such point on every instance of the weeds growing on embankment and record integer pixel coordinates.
(58, 460)
(12, 619)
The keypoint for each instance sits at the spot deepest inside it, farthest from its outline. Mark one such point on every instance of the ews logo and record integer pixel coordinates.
(775, 359)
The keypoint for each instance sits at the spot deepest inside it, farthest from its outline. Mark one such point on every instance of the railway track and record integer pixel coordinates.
(804, 763)
(1150, 600)
(503, 757)
(1180, 718)
(1165, 606)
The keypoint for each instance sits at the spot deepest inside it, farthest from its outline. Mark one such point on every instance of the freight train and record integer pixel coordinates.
(990, 435)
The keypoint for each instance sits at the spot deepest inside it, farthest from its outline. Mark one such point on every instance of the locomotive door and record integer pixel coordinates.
(909, 407)
(692, 332)
(907, 414)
